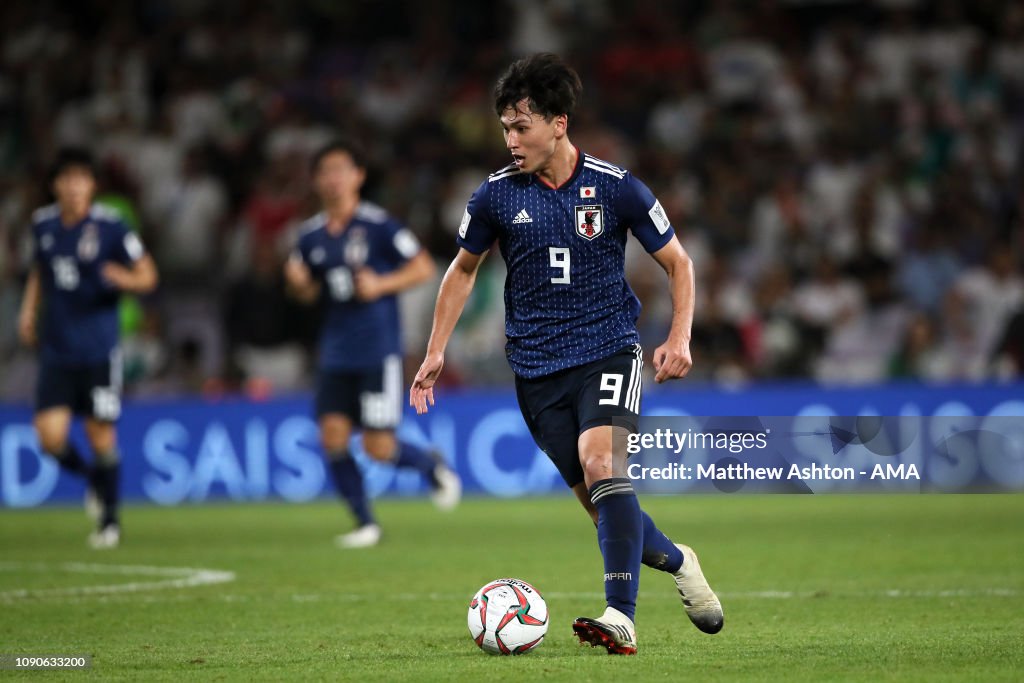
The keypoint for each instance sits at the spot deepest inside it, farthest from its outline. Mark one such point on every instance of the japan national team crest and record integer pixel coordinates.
(88, 243)
(357, 248)
(589, 221)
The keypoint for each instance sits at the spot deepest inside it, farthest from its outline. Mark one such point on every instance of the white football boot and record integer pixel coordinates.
(613, 631)
(106, 538)
(701, 603)
(92, 503)
(448, 492)
(364, 537)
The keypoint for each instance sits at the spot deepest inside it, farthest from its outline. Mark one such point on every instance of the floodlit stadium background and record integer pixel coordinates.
(847, 176)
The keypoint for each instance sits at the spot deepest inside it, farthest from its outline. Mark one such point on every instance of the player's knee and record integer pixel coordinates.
(333, 446)
(334, 436)
(53, 445)
(102, 437)
(381, 449)
(596, 466)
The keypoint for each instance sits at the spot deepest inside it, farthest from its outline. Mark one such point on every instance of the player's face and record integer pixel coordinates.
(338, 177)
(530, 137)
(74, 187)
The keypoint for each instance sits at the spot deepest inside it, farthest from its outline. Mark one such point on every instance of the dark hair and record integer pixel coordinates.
(549, 84)
(72, 156)
(346, 145)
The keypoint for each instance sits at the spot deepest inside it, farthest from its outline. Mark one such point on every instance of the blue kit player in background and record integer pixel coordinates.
(355, 258)
(84, 258)
(560, 218)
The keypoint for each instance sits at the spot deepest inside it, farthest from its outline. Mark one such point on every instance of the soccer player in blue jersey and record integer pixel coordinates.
(84, 258)
(560, 218)
(356, 258)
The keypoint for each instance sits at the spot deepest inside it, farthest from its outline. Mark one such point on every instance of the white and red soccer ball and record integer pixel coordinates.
(508, 617)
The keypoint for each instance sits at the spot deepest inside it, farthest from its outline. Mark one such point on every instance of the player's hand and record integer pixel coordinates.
(116, 275)
(27, 328)
(297, 273)
(369, 285)
(422, 392)
(672, 360)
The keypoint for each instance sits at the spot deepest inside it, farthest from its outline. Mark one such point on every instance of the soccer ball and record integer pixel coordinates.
(507, 617)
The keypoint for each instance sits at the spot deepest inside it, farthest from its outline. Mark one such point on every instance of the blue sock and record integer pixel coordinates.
(659, 552)
(349, 482)
(106, 481)
(71, 460)
(620, 535)
(414, 457)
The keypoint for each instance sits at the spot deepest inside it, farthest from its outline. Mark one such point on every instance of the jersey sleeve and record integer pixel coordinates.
(642, 212)
(300, 250)
(478, 229)
(127, 247)
(401, 243)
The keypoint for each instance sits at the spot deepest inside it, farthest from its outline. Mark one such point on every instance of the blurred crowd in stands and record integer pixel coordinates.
(847, 176)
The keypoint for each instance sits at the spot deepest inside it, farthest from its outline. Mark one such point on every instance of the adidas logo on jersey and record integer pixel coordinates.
(522, 217)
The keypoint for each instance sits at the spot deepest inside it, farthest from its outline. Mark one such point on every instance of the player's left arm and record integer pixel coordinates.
(414, 266)
(672, 359)
(138, 278)
(132, 270)
(640, 209)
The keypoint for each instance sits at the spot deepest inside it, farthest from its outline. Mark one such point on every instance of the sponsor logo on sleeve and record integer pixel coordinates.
(659, 218)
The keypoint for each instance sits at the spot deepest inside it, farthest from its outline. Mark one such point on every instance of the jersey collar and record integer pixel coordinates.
(571, 179)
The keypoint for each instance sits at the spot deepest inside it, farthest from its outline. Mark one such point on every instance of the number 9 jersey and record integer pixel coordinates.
(567, 302)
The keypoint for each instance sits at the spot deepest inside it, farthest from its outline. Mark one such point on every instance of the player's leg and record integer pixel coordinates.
(608, 405)
(384, 446)
(620, 538)
(583, 496)
(335, 434)
(658, 551)
(100, 401)
(337, 410)
(613, 394)
(701, 604)
(52, 427)
(105, 479)
(53, 403)
(547, 405)
(381, 404)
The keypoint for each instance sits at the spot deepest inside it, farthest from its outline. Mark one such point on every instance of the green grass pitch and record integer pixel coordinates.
(815, 588)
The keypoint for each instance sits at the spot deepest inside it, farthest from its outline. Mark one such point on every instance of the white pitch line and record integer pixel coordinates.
(176, 577)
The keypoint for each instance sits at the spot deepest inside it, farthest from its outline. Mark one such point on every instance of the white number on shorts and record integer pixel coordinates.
(611, 382)
(560, 259)
(106, 404)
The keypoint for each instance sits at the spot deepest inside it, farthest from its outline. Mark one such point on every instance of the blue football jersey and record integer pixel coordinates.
(356, 335)
(567, 301)
(80, 324)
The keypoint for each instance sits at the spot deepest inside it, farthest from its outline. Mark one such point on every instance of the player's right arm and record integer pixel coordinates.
(299, 279)
(29, 308)
(451, 299)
